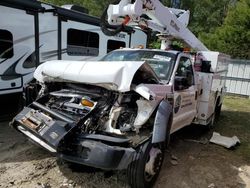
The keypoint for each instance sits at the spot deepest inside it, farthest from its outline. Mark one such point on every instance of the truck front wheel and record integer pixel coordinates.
(145, 168)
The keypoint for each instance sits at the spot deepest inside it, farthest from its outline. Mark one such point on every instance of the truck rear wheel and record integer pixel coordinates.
(215, 115)
(217, 111)
(211, 123)
(144, 170)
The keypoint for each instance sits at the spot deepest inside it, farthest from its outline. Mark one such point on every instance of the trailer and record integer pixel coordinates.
(32, 32)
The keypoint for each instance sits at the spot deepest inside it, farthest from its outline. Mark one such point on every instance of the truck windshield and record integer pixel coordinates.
(161, 62)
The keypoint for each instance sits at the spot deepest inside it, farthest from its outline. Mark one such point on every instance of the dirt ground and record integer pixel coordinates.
(190, 161)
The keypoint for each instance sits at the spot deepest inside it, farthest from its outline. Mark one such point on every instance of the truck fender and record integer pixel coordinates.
(161, 122)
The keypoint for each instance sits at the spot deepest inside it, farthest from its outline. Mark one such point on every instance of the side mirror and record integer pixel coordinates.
(180, 83)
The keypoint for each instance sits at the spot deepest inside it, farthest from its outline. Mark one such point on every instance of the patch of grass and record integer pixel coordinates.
(235, 120)
(237, 103)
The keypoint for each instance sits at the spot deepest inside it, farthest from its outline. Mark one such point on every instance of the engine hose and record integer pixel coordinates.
(105, 25)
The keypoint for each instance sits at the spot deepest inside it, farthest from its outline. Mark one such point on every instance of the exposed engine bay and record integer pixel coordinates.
(95, 108)
(66, 114)
(102, 104)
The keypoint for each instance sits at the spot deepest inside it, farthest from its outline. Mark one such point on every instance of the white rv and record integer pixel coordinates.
(32, 32)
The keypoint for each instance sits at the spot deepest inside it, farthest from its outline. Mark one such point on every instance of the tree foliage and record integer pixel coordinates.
(207, 15)
(222, 25)
(233, 37)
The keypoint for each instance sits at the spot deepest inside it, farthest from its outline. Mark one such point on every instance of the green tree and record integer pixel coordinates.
(207, 15)
(233, 37)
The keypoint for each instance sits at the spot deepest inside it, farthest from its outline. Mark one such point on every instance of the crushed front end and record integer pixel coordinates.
(87, 124)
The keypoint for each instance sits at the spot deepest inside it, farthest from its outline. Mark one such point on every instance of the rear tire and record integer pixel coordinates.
(215, 115)
(218, 111)
(146, 166)
(211, 123)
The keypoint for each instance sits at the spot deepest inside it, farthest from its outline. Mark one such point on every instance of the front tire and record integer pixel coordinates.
(146, 166)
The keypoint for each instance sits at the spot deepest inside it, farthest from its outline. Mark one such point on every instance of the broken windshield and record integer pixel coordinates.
(161, 62)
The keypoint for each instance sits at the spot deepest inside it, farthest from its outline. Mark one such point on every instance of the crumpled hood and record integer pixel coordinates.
(112, 75)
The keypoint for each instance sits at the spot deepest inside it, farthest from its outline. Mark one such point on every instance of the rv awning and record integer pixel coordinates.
(23, 4)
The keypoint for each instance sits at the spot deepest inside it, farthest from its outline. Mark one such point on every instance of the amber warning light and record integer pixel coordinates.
(86, 102)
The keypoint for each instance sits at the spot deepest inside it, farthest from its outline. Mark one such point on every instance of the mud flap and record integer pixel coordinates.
(42, 128)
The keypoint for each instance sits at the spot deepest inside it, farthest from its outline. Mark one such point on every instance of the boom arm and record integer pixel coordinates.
(171, 23)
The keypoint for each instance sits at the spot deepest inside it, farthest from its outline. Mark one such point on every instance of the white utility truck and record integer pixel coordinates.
(119, 113)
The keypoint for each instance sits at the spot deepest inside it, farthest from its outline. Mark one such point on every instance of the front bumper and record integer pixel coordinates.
(99, 151)
(41, 128)
(99, 155)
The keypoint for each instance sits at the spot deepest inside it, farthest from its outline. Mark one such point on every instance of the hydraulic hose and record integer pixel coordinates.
(105, 25)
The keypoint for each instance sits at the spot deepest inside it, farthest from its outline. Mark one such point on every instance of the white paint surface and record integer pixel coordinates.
(113, 75)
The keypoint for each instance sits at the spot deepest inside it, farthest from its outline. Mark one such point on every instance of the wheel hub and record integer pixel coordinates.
(154, 162)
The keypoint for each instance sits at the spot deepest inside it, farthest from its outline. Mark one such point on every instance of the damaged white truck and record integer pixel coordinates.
(119, 113)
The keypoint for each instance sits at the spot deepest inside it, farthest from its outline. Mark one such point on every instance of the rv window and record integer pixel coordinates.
(82, 43)
(6, 44)
(114, 44)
